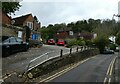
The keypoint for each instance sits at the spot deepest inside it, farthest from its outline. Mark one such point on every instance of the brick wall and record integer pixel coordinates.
(5, 19)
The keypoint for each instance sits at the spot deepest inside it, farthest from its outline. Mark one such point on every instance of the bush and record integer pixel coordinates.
(112, 47)
(53, 65)
(118, 38)
(88, 42)
(73, 42)
(35, 43)
(101, 42)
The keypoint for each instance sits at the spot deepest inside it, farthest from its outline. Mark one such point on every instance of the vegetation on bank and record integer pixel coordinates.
(57, 63)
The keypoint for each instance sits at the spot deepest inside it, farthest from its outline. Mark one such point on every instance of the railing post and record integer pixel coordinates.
(77, 49)
(61, 53)
(70, 50)
(81, 48)
(28, 65)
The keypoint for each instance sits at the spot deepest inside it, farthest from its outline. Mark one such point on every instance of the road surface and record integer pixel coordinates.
(19, 62)
(96, 69)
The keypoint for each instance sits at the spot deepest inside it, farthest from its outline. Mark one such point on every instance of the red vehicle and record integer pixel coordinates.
(61, 42)
(51, 41)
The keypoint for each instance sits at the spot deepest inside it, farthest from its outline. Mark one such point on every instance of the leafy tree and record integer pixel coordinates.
(101, 42)
(118, 38)
(36, 19)
(10, 7)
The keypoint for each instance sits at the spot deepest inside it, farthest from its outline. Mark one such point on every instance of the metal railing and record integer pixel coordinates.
(45, 57)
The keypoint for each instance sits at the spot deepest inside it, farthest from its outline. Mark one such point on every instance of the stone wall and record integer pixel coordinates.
(8, 30)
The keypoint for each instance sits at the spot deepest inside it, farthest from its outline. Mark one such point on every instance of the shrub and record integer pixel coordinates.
(35, 43)
(101, 42)
(112, 46)
(118, 38)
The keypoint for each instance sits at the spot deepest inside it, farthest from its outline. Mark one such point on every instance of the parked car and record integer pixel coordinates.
(51, 41)
(61, 42)
(11, 45)
(107, 51)
(35, 43)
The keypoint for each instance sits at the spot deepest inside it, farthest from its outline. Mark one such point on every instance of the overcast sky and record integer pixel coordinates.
(65, 11)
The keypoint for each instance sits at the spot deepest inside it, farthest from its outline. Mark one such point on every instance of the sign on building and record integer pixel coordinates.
(94, 36)
(71, 33)
(20, 34)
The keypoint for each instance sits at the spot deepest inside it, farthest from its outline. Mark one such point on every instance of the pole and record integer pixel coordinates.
(70, 50)
(61, 53)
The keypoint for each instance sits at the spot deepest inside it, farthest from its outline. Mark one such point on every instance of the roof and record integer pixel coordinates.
(20, 20)
(65, 29)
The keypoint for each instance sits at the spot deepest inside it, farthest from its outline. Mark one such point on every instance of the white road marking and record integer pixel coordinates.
(9, 75)
(63, 71)
(105, 80)
(109, 80)
(112, 66)
(109, 68)
(109, 71)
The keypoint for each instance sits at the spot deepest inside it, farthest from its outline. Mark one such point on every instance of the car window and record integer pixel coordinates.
(3, 38)
(19, 40)
(60, 40)
(6, 41)
(12, 40)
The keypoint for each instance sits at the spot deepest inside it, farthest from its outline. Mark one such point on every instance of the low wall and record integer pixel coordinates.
(54, 64)
(8, 32)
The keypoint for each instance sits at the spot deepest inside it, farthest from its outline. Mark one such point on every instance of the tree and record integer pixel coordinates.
(36, 19)
(101, 42)
(10, 7)
(118, 38)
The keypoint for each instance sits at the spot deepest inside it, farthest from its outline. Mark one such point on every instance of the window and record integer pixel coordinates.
(7, 41)
(12, 40)
(30, 25)
(19, 40)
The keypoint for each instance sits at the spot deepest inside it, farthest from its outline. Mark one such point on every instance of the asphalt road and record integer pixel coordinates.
(19, 62)
(96, 69)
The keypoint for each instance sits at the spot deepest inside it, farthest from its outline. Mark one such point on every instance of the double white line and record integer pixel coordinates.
(63, 71)
(109, 71)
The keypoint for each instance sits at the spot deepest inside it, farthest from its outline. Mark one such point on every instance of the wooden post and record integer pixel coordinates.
(61, 53)
(77, 49)
(70, 50)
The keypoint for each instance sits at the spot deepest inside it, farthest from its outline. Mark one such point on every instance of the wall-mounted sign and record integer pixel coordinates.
(20, 34)
(71, 33)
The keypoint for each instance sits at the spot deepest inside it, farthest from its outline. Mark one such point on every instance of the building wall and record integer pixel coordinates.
(8, 32)
(30, 19)
(36, 25)
(5, 19)
(119, 10)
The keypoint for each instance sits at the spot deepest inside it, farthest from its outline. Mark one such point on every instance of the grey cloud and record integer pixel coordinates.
(64, 12)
